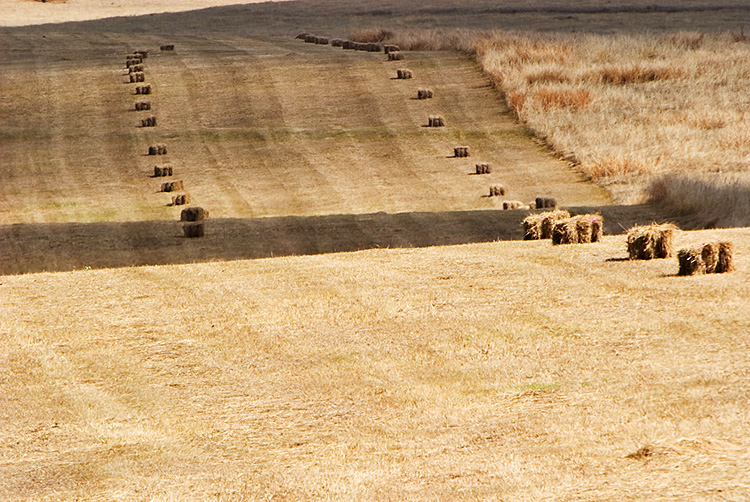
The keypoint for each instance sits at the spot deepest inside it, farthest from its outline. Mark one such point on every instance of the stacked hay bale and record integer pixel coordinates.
(513, 204)
(142, 105)
(143, 89)
(545, 203)
(646, 242)
(372, 47)
(321, 40)
(135, 68)
(708, 258)
(461, 151)
(404, 73)
(348, 45)
(159, 149)
(131, 61)
(435, 121)
(539, 226)
(424, 93)
(360, 46)
(143, 54)
(337, 42)
(497, 190)
(148, 122)
(194, 218)
(483, 168)
(161, 171)
(167, 47)
(137, 77)
(388, 48)
(395, 56)
(172, 186)
(180, 200)
(581, 229)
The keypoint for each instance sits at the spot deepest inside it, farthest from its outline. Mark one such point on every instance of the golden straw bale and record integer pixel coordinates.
(512, 204)
(646, 242)
(710, 256)
(725, 261)
(532, 227)
(497, 190)
(483, 168)
(194, 213)
(548, 219)
(565, 231)
(690, 260)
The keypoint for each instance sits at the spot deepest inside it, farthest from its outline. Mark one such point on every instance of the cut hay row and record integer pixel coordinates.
(646, 242)
(461, 151)
(142, 106)
(513, 204)
(545, 203)
(172, 186)
(404, 73)
(160, 149)
(435, 121)
(167, 47)
(194, 213)
(483, 168)
(180, 200)
(137, 77)
(143, 89)
(162, 171)
(395, 56)
(497, 191)
(539, 225)
(424, 93)
(715, 257)
(148, 122)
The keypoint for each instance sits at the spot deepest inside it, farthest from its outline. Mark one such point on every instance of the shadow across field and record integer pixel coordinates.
(38, 247)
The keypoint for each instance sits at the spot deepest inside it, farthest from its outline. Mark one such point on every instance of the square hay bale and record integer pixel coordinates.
(565, 231)
(347, 45)
(725, 261)
(424, 93)
(483, 168)
(321, 40)
(194, 213)
(374, 47)
(461, 151)
(589, 228)
(180, 200)
(548, 220)
(167, 47)
(395, 56)
(404, 73)
(690, 260)
(546, 203)
(161, 171)
(388, 48)
(435, 121)
(512, 204)
(646, 242)
(193, 229)
(337, 42)
(497, 190)
(532, 227)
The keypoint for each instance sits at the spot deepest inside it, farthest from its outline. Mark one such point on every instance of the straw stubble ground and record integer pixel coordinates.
(519, 371)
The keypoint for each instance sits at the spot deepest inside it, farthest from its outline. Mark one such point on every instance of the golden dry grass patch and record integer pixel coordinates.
(515, 370)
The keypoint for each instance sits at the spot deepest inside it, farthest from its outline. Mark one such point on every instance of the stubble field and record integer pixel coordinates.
(479, 367)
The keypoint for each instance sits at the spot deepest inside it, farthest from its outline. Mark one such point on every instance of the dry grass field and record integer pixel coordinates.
(502, 371)
(283, 356)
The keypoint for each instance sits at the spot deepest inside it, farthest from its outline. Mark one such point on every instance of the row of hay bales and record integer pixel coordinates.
(644, 242)
(392, 51)
(647, 242)
(192, 217)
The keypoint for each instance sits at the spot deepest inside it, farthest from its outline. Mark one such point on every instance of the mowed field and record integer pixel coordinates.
(516, 371)
(480, 367)
(257, 131)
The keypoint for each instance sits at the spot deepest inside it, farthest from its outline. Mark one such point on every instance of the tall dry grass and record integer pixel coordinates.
(650, 106)
(628, 110)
